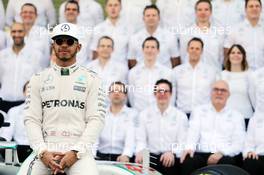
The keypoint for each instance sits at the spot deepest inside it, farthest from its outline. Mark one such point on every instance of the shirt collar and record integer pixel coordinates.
(222, 111)
(123, 110)
(65, 71)
(165, 113)
(246, 21)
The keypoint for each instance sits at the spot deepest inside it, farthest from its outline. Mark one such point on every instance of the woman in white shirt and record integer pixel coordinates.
(236, 74)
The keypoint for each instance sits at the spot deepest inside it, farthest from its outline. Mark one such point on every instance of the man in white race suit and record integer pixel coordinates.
(65, 110)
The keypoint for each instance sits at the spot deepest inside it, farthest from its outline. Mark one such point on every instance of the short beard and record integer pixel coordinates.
(66, 59)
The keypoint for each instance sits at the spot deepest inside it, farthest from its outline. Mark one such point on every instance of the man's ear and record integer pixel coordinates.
(79, 47)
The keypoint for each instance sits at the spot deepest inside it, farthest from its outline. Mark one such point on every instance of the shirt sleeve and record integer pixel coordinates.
(252, 88)
(130, 136)
(230, 39)
(132, 49)
(194, 130)
(238, 136)
(33, 116)
(141, 136)
(250, 145)
(98, 14)
(95, 116)
(181, 135)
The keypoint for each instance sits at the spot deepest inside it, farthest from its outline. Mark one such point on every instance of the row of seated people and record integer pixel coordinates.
(214, 134)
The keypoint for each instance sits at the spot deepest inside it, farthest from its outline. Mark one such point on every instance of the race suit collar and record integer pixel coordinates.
(65, 71)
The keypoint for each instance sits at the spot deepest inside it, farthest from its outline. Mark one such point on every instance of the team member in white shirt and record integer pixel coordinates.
(2, 15)
(17, 64)
(16, 130)
(212, 36)
(144, 75)
(132, 12)
(91, 13)
(216, 133)
(107, 69)
(176, 15)
(36, 36)
(237, 76)
(45, 8)
(228, 12)
(162, 130)
(71, 14)
(168, 55)
(248, 34)
(193, 80)
(256, 90)
(117, 140)
(115, 28)
(254, 148)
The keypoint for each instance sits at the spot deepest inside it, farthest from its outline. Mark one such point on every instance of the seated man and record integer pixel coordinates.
(216, 133)
(162, 129)
(16, 130)
(116, 142)
(254, 146)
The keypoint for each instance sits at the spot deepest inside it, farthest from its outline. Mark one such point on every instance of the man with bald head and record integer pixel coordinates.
(216, 133)
(17, 64)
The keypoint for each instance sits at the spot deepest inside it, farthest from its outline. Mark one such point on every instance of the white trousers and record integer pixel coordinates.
(85, 166)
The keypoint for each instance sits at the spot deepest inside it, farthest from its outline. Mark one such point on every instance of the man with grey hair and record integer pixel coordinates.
(216, 133)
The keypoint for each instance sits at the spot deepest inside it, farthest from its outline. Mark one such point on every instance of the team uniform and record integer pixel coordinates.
(91, 13)
(211, 132)
(239, 92)
(119, 32)
(17, 131)
(254, 143)
(193, 85)
(65, 111)
(249, 37)
(141, 82)
(168, 46)
(118, 135)
(111, 72)
(161, 132)
(213, 40)
(15, 71)
(46, 12)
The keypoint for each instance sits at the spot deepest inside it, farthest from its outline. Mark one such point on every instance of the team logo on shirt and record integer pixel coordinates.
(49, 79)
(79, 88)
(81, 80)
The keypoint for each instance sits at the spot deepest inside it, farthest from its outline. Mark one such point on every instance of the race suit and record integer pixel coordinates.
(65, 110)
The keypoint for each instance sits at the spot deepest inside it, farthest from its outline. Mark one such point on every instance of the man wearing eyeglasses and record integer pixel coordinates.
(216, 133)
(162, 129)
(65, 110)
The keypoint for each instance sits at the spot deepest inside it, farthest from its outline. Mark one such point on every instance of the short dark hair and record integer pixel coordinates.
(246, 3)
(108, 0)
(163, 81)
(72, 2)
(244, 64)
(124, 88)
(31, 5)
(201, 1)
(106, 37)
(151, 38)
(196, 39)
(152, 6)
